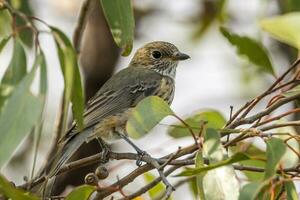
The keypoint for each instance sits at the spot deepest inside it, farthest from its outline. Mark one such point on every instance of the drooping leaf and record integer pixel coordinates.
(82, 192)
(233, 159)
(119, 16)
(7, 189)
(19, 114)
(3, 43)
(148, 113)
(15, 72)
(5, 23)
(284, 28)
(26, 35)
(213, 118)
(219, 183)
(156, 190)
(252, 151)
(291, 192)
(251, 49)
(73, 87)
(17, 67)
(275, 150)
(211, 12)
(193, 187)
(200, 177)
(250, 191)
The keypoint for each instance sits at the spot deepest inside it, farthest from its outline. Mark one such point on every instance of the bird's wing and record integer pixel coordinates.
(122, 91)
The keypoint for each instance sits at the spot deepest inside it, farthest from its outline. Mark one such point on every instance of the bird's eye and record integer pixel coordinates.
(156, 54)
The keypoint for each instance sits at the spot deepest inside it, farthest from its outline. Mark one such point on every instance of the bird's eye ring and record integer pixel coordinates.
(156, 54)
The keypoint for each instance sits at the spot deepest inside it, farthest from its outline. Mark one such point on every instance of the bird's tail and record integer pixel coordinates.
(63, 154)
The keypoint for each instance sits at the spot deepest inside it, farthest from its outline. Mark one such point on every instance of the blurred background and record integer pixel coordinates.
(215, 77)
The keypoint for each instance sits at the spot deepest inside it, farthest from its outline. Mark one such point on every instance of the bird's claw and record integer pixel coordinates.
(141, 154)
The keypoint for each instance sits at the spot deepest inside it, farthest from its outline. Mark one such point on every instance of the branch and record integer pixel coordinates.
(80, 26)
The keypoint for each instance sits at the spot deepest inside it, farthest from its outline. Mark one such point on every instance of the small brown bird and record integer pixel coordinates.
(151, 72)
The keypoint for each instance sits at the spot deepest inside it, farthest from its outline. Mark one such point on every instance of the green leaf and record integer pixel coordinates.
(5, 23)
(221, 182)
(73, 87)
(284, 28)
(119, 16)
(17, 67)
(82, 192)
(200, 177)
(43, 76)
(211, 11)
(233, 159)
(14, 73)
(19, 114)
(3, 43)
(213, 118)
(9, 191)
(251, 49)
(156, 190)
(275, 150)
(250, 191)
(291, 192)
(148, 113)
(292, 92)
(252, 151)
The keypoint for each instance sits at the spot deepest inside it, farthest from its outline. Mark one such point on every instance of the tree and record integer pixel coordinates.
(220, 147)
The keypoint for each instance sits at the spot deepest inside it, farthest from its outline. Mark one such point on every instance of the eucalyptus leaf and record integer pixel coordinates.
(73, 87)
(82, 192)
(250, 191)
(213, 118)
(148, 113)
(291, 192)
(7, 189)
(19, 114)
(119, 16)
(15, 71)
(5, 23)
(156, 190)
(284, 28)
(275, 151)
(251, 49)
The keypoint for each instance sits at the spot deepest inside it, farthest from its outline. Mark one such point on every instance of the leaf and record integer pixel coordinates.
(275, 150)
(43, 76)
(252, 151)
(284, 28)
(119, 16)
(9, 191)
(211, 11)
(81, 192)
(213, 118)
(19, 114)
(200, 177)
(148, 113)
(291, 192)
(15, 72)
(17, 67)
(219, 183)
(250, 191)
(233, 159)
(5, 23)
(3, 42)
(251, 49)
(292, 92)
(73, 88)
(156, 190)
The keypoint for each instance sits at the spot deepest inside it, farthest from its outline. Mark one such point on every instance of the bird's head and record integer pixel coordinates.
(160, 56)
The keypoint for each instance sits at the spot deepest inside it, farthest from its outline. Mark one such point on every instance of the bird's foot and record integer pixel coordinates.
(105, 150)
(141, 154)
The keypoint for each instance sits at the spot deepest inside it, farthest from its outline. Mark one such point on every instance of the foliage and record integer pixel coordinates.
(220, 146)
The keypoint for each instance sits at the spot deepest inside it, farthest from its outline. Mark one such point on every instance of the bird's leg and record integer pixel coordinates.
(104, 150)
(140, 152)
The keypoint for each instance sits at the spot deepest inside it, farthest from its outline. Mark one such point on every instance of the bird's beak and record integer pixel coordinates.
(180, 56)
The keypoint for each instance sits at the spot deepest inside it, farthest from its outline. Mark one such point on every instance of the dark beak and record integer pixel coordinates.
(181, 56)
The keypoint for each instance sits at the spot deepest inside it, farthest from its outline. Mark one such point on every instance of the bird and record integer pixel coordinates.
(151, 72)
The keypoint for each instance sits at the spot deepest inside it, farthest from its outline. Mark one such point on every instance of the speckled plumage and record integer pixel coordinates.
(108, 111)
